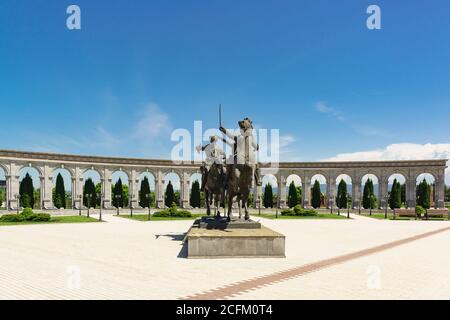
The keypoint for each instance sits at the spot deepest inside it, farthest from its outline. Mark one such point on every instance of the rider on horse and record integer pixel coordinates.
(214, 154)
(244, 149)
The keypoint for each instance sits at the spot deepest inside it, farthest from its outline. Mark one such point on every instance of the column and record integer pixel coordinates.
(411, 191)
(356, 191)
(281, 191)
(13, 186)
(184, 192)
(106, 188)
(440, 190)
(383, 192)
(7, 196)
(77, 192)
(306, 192)
(331, 190)
(134, 189)
(46, 188)
(257, 196)
(159, 190)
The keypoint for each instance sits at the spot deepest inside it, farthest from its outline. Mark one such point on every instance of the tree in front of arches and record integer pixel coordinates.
(144, 193)
(89, 194)
(316, 195)
(194, 200)
(342, 196)
(293, 199)
(59, 196)
(169, 198)
(26, 191)
(423, 194)
(268, 196)
(395, 197)
(118, 196)
(369, 199)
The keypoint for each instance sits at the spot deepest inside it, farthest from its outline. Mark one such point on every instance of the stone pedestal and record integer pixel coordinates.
(216, 238)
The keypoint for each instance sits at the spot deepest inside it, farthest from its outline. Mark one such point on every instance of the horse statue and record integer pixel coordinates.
(239, 183)
(214, 188)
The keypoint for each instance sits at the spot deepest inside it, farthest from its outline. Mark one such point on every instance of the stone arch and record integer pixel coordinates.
(124, 176)
(152, 184)
(68, 187)
(36, 176)
(320, 177)
(431, 180)
(175, 179)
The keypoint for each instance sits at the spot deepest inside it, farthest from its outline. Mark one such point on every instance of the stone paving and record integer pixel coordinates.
(125, 259)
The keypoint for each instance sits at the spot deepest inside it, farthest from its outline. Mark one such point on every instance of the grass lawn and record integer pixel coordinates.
(391, 217)
(61, 219)
(319, 216)
(144, 217)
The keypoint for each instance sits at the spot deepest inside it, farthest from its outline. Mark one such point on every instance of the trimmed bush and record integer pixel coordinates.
(420, 210)
(173, 212)
(299, 211)
(12, 218)
(287, 212)
(41, 217)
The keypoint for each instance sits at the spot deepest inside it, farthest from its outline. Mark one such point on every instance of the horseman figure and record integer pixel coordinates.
(213, 175)
(241, 166)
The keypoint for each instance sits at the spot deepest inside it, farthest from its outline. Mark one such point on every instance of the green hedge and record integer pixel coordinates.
(173, 212)
(26, 215)
(299, 211)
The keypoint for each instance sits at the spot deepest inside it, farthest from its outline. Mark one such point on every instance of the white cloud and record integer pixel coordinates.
(153, 123)
(401, 151)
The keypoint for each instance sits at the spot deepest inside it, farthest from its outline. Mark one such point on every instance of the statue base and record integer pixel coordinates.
(217, 238)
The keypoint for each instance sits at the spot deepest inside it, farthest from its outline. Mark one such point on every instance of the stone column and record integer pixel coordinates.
(13, 186)
(46, 188)
(306, 192)
(440, 190)
(159, 190)
(7, 191)
(77, 192)
(281, 191)
(257, 196)
(356, 191)
(184, 190)
(383, 191)
(106, 188)
(134, 189)
(411, 187)
(331, 190)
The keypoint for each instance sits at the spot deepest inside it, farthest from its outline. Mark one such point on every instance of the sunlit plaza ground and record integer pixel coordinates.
(127, 259)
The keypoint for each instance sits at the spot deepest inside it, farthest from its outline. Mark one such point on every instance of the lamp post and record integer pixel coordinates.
(89, 196)
(348, 210)
(100, 195)
(386, 198)
(118, 196)
(80, 204)
(17, 196)
(148, 199)
(276, 210)
(359, 207)
(131, 207)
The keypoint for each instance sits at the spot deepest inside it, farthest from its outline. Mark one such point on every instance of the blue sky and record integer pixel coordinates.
(137, 70)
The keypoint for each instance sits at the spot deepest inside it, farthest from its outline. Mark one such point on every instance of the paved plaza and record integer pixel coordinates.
(326, 259)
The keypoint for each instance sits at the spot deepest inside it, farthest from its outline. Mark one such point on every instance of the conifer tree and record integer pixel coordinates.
(144, 193)
(195, 195)
(268, 196)
(342, 196)
(293, 199)
(169, 195)
(118, 196)
(395, 198)
(423, 194)
(316, 195)
(59, 199)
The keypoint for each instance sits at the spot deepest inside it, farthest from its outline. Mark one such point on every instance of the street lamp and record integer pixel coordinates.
(386, 198)
(348, 210)
(89, 196)
(148, 200)
(118, 196)
(80, 204)
(17, 196)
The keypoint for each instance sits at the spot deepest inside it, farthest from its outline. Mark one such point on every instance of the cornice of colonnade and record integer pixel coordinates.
(345, 167)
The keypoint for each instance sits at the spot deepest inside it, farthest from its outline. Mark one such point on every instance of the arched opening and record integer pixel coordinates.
(270, 188)
(426, 191)
(294, 190)
(146, 190)
(92, 189)
(370, 192)
(172, 187)
(397, 191)
(62, 189)
(120, 190)
(30, 190)
(3, 191)
(196, 196)
(319, 190)
(344, 189)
